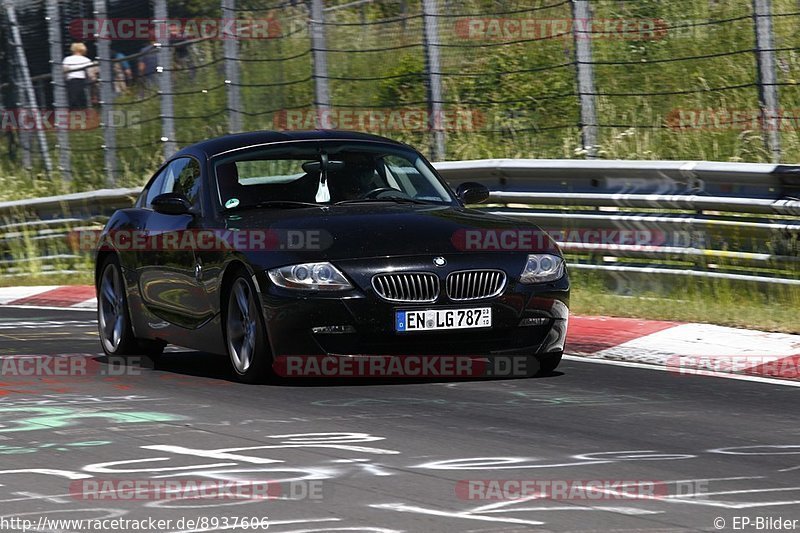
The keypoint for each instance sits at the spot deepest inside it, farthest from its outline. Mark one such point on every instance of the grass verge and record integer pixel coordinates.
(721, 302)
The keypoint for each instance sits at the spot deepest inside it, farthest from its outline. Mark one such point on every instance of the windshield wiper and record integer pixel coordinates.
(275, 203)
(395, 199)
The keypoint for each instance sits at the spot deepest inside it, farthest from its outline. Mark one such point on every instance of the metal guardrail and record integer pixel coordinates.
(35, 233)
(625, 219)
(734, 221)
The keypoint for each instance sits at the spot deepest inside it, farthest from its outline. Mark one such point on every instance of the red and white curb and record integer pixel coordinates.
(687, 349)
(683, 349)
(60, 296)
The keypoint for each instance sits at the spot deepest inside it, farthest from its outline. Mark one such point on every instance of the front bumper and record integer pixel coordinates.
(526, 319)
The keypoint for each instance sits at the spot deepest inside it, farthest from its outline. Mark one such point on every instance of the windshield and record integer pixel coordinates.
(326, 173)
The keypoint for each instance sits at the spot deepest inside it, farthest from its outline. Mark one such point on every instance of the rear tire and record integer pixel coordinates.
(113, 316)
(245, 335)
(113, 319)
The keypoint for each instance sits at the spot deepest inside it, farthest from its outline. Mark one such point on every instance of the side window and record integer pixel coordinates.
(183, 176)
(187, 180)
(155, 188)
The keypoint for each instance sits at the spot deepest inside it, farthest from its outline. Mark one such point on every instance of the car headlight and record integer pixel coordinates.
(310, 276)
(541, 268)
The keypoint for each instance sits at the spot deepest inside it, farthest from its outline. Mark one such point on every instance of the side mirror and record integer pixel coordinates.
(171, 203)
(472, 193)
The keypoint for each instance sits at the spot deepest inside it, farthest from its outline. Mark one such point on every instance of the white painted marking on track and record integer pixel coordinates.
(210, 454)
(500, 506)
(632, 511)
(759, 449)
(48, 472)
(110, 513)
(403, 508)
(105, 468)
(740, 491)
(35, 496)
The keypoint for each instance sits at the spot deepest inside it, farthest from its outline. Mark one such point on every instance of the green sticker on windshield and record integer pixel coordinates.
(233, 202)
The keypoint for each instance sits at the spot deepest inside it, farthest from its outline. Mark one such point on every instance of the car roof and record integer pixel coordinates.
(218, 145)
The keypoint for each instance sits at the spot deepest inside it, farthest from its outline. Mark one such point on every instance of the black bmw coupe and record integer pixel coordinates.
(326, 244)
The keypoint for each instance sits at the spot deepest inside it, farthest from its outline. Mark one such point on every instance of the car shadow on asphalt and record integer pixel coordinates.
(202, 365)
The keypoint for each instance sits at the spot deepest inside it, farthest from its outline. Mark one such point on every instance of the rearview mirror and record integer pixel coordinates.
(171, 203)
(472, 193)
(312, 167)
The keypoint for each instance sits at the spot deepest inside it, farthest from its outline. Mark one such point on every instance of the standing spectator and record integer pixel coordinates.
(183, 60)
(76, 72)
(122, 72)
(148, 61)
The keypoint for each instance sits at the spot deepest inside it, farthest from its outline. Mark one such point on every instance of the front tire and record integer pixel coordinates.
(548, 363)
(245, 334)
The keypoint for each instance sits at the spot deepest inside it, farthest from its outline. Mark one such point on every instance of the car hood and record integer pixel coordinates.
(360, 231)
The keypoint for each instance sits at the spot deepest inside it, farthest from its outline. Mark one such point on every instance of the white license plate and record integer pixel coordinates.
(438, 319)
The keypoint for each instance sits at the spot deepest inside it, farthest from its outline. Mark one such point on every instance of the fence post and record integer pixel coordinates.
(27, 85)
(53, 19)
(22, 142)
(23, 136)
(106, 98)
(430, 22)
(767, 88)
(230, 46)
(319, 52)
(164, 71)
(581, 34)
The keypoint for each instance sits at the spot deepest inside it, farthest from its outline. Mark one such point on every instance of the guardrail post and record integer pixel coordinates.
(27, 85)
(430, 23)
(164, 71)
(581, 34)
(230, 46)
(319, 52)
(53, 19)
(106, 98)
(767, 87)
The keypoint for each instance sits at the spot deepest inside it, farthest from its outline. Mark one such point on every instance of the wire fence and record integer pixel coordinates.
(699, 79)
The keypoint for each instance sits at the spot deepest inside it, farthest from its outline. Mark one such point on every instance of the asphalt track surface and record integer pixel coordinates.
(387, 456)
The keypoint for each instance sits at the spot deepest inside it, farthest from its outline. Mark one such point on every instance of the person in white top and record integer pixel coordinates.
(77, 70)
